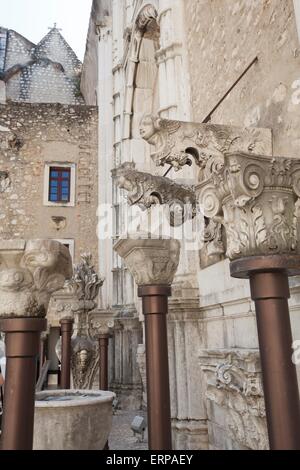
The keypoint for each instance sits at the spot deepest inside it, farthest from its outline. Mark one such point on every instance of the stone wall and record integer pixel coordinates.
(32, 135)
(223, 37)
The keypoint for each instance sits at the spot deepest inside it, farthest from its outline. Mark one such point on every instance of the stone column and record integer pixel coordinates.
(29, 273)
(153, 264)
(256, 198)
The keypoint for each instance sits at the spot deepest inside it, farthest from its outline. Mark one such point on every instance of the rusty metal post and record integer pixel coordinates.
(103, 371)
(22, 348)
(155, 309)
(270, 291)
(66, 334)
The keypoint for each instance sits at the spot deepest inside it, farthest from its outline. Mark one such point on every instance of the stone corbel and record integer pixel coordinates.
(146, 190)
(30, 271)
(179, 143)
(256, 199)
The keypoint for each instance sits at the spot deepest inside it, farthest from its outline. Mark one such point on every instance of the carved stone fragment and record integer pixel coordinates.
(150, 261)
(30, 271)
(146, 190)
(181, 143)
(256, 199)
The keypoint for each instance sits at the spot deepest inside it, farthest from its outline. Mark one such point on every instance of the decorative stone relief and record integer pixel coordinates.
(86, 281)
(256, 199)
(30, 271)
(4, 181)
(181, 143)
(150, 261)
(214, 249)
(9, 140)
(100, 323)
(84, 362)
(234, 394)
(76, 300)
(146, 190)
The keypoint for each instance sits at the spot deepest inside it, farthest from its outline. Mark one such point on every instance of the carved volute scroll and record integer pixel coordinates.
(146, 190)
(30, 271)
(150, 261)
(256, 198)
(179, 143)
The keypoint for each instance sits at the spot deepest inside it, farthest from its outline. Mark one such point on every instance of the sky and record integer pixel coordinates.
(32, 18)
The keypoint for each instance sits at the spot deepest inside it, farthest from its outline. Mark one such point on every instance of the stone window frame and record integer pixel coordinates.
(70, 242)
(72, 167)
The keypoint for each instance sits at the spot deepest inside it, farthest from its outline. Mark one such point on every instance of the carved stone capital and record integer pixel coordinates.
(100, 323)
(179, 143)
(256, 198)
(150, 261)
(146, 190)
(30, 271)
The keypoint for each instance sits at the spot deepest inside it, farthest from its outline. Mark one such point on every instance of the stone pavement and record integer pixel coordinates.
(121, 437)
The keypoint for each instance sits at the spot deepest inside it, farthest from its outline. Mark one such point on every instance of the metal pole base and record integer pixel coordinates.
(270, 291)
(155, 309)
(22, 348)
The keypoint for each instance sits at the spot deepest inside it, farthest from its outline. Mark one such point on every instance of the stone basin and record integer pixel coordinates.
(72, 419)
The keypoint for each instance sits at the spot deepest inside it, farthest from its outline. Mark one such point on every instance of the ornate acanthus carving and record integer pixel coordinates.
(86, 281)
(234, 389)
(146, 190)
(180, 143)
(4, 181)
(29, 273)
(256, 198)
(150, 261)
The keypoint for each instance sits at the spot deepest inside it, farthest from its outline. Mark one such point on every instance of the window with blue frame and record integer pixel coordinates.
(59, 184)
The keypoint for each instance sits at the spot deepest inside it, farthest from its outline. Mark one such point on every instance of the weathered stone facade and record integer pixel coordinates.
(31, 136)
(175, 60)
(222, 41)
